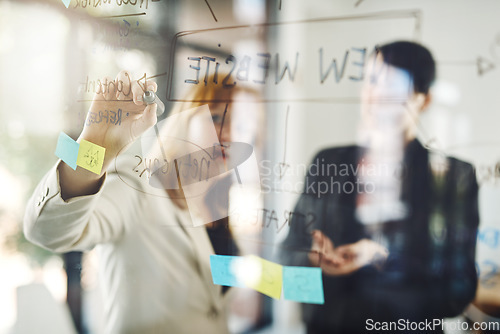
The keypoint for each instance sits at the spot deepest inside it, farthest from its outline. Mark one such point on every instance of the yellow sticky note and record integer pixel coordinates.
(266, 276)
(90, 156)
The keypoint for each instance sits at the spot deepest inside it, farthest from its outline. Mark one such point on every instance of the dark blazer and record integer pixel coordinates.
(430, 272)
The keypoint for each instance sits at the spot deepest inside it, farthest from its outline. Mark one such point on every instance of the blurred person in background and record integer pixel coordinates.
(395, 232)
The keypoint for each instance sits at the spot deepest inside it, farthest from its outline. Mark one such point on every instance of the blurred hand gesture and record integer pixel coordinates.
(345, 259)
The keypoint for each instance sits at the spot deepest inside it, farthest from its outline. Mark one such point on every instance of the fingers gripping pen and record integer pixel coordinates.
(150, 97)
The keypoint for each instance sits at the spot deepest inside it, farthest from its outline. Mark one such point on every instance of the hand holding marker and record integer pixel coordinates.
(118, 115)
(94, 151)
(150, 97)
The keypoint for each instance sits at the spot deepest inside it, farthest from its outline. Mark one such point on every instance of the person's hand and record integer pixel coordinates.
(345, 259)
(488, 295)
(117, 115)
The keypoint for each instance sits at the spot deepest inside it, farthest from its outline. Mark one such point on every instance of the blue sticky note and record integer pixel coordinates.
(223, 270)
(67, 150)
(303, 284)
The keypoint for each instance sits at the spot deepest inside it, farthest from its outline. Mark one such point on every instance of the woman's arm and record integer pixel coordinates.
(70, 209)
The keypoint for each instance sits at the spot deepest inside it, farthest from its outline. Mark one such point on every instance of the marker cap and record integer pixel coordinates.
(149, 97)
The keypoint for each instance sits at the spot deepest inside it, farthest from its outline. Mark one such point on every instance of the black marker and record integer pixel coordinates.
(150, 97)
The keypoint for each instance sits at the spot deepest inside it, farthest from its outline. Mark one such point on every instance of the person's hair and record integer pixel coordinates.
(412, 57)
(172, 136)
(213, 93)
